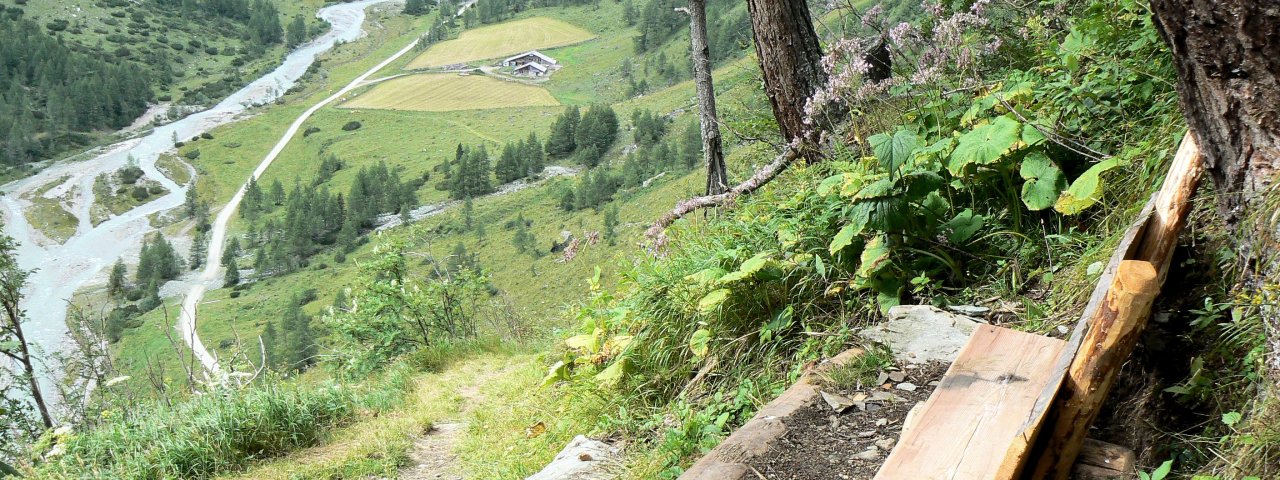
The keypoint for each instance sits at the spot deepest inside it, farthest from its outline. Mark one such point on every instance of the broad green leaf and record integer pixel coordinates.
(1086, 190)
(1044, 181)
(985, 144)
(1231, 418)
(829, 183)
(611, 375)
(964, 226)
(876, 189)
(893, 151)
(1032, 136)
(844, 238)
(1162, 471)
(939, 151)
(875, 256)
(748, 268)
(712, 300)
(10, 346)
(557, 372)
(586, 342)
(705, 276)
(698, 343)
(922, 183)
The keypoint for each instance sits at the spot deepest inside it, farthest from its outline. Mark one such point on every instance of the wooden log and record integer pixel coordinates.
(1151, 237)
(1112, 335)
(1172, 204)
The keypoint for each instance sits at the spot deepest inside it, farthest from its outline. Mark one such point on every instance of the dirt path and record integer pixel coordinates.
(433, 456)
(210, 275)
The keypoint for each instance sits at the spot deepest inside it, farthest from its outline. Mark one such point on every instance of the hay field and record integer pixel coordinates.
(500, 40)
(450, 92)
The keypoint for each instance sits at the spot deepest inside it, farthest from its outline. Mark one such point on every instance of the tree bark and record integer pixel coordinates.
(791, 60)
(1227, 53)
(712, 147)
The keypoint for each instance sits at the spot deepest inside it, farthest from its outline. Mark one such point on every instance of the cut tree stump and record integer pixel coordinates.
(965, 428)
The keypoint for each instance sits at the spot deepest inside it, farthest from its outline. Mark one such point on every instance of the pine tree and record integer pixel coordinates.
(231, 252)
(611, 224)
(535, 161)
(232, 276)
(277, 193)
(251, 203)
(297, 32)
(116, 281)
(199, 249)
(564, 133)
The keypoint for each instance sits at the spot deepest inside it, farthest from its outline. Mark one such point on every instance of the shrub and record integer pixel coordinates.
(139, 193)
(309, 131)
(192, 154)
(352, 126)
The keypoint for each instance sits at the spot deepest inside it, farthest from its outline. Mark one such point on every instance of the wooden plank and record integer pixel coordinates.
(979, 407)
(1106, 456)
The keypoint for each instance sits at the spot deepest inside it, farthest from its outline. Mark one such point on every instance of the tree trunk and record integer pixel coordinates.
(791, 60)
(712, 149)
(24, 352)
(1227, 54)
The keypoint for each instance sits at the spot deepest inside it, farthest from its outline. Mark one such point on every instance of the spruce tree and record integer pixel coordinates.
(611, 224)
(116, 281)
(231, 252)
(297, 32)
(232, 276)
(560, 143)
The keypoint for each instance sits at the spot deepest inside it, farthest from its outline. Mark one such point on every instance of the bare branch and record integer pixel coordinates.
(762, 177)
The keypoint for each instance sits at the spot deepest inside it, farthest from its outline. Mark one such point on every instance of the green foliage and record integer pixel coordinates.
(205, 435)
(392, 313)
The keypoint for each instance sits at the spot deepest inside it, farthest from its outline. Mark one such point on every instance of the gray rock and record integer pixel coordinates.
(906, 387)
(582, 459)
(922, 333)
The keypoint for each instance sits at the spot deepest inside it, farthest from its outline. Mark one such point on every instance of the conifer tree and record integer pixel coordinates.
(563, 133)
(232, 276)
(270, 343)
(116, 281)
(297, 32)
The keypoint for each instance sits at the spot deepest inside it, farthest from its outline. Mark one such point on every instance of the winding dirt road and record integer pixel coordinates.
(188, 316)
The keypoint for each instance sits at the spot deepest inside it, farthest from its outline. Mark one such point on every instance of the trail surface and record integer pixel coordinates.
(188, 315)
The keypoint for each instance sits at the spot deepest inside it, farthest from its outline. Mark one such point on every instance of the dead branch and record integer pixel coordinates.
(762, 177)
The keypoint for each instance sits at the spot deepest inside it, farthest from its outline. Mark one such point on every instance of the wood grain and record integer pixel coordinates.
(977, 410)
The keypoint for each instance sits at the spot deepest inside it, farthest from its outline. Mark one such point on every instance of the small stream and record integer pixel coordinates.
(61, 270)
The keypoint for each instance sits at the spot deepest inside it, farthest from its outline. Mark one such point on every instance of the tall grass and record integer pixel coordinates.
(207, 435)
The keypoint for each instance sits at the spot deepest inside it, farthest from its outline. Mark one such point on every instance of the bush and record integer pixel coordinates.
(310, 130)
(192, 154)
(129, 175)
(139, 193)
(352, 126)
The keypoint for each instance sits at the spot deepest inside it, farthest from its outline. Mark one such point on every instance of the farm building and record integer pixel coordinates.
(532, 56)
(530, 70)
